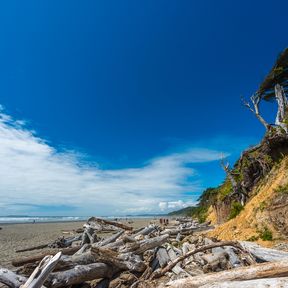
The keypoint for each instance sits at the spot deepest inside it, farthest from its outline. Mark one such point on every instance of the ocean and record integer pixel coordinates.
(39, 219)
(45, 219)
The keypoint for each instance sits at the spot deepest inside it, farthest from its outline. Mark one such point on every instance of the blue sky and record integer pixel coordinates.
(134, 100)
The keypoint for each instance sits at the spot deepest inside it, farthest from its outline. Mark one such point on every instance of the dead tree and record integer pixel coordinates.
(255, 100)
(282, 107)
(235, 186)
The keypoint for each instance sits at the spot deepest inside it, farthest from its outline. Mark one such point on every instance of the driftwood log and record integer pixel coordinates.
(264, 254)
(145, 230)
(257, 271)
(162, 272)
(111, 239)
(32, 248)
(108, 222)
(79, 274)
(281, 282)
(11, 279)
(140, 257)
(42, 271)
(31, 259)
(151, 243)
(59, 243)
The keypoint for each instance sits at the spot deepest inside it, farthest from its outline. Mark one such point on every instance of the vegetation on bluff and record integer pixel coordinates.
(255, 163)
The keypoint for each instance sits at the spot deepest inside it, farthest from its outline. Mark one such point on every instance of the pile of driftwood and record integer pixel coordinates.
(153, 256)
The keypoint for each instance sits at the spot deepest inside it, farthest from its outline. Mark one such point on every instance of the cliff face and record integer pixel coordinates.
(264, 217)
(254, 165)
(278, 213)
(252, 202)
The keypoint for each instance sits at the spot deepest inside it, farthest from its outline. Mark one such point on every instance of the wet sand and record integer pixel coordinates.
(19, 236)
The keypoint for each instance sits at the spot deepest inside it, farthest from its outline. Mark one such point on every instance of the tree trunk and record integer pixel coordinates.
(282, 107)
(255, 99)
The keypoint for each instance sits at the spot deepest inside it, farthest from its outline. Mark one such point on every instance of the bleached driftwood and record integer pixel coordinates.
(111, 239)
(281, 282)
(162, 256)
(145, 231)
(115, 245)
(59, 243)
(64, 242)
(129, 258)
(264, 254)
(117, 261)
(34, 258)
(108, 222)
(79, 274)
(257, 271)
(89, 235)
(176, 231)
(32, 248)
(39, 275)
(11, 279)
(172, 255)
(166, 269)
(215, 260)
(151, 243)
(126, 261)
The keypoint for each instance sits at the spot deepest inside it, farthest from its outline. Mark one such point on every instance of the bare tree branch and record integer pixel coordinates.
(235, 185)
(255, 100)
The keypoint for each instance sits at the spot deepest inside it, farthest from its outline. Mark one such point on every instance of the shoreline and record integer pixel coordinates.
(32, 223)
(119, 218)
(15, 236)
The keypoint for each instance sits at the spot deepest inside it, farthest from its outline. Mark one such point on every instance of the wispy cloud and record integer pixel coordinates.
(33, 172)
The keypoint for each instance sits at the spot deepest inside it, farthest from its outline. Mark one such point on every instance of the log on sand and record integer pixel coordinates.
(11, 279)
(33, 248)
(79, 274)
(257, 271)
(108, 222)
(31, 259)
(281, 282)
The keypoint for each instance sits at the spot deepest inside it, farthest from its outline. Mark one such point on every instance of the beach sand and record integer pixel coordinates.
(19, 236)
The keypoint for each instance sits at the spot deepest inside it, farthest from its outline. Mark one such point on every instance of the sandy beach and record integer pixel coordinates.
(19, 236)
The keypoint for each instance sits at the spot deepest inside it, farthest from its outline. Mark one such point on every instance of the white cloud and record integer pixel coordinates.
(33, 174)
(175, 205)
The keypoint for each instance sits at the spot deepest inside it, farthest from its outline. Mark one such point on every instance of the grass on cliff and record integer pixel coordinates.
(282, 189)
(236, 208)
(266, 234)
